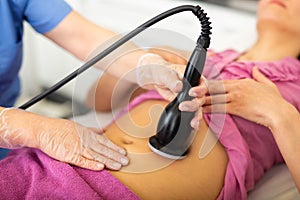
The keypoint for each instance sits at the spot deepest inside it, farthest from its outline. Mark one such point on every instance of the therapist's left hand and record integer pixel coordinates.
(85, 147)
(61, 139)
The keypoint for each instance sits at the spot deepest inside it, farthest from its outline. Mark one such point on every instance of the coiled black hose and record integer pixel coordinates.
(204, 40)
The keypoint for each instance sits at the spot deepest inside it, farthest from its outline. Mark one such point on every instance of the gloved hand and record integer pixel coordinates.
(61, 139)
(153, 72)
(195, 105)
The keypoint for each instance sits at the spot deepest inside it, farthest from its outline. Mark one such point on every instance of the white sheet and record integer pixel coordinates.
(276, 184)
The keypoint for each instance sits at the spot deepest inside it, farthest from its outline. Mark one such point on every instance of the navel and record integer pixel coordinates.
(126, 141)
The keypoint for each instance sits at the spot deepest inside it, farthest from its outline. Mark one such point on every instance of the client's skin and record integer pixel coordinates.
(190, 178)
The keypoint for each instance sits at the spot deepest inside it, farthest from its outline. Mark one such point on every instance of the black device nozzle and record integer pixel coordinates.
(174, 132)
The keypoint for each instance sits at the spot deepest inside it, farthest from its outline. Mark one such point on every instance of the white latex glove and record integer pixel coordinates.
(153, 72)
(195, 105)
(61, 139)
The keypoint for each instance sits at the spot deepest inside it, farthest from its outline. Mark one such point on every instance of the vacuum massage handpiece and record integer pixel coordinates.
(174, 133)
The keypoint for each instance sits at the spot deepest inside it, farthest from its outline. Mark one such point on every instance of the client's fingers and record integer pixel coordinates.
(198, 91)
(216, 99)
(215, 108)
(201, 89)
(196, 120)
(258, 76)
(191, 106)
(203, 81)
(220, 86)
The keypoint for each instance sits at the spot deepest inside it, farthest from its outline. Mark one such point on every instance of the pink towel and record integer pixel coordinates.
(251, 148)
(30, 174)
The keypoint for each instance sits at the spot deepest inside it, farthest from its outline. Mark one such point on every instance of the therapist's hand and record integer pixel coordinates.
(255, 100)
(153, 72)
(61, 139)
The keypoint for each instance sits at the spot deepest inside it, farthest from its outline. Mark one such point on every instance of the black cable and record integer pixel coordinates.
(204, 40)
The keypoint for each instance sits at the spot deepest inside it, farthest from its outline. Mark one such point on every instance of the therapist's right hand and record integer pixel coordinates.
(61, 139)
(154, 72)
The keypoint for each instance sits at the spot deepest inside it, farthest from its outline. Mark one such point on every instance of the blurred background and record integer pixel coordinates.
(233, 26)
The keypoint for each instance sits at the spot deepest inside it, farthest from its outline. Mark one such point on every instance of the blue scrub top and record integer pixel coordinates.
(43, 16)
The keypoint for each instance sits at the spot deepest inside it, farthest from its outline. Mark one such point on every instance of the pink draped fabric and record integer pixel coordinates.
(29, 173)
(251, 148)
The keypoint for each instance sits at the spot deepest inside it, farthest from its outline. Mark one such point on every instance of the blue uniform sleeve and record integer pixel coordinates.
(44, 15)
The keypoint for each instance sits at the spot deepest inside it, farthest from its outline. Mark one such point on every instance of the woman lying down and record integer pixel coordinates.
(226, 168)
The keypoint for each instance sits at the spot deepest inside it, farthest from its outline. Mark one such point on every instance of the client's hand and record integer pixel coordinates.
(195, 105)
(253, 100)
(153, 72)
(61, 139)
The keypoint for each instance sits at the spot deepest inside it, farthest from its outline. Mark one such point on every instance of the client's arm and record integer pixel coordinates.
(274, 112)
(100, 96)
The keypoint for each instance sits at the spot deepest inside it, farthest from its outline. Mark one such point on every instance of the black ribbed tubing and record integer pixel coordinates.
(204, 40)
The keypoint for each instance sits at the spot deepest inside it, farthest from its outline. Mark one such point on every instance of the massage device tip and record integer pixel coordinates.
(164, 151)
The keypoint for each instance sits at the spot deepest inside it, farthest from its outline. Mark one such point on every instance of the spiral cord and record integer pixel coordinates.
(204, 39)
